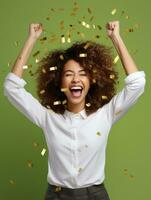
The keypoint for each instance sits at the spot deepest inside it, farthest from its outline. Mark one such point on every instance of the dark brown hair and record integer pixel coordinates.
(95, 58)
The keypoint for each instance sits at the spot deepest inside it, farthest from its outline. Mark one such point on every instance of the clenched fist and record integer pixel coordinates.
(35, 30)
(112, 28)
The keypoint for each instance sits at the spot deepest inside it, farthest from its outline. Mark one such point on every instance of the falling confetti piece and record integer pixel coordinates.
(117, 113)
(113, 11)
(37, 60)
(98, 133)
(57, 189)
(56, 103)
(64, 102)
(93, 81)
(82, 55)
(64, 89)
(63, 40)
(43, 152)
(89, 11)
(87, 45)
(93, 26)
(29, 163)
(69, 40)
(112, 76)
(43, 39)
(61, 57)
(116, 59)
(12, 182)
(36, 53)
(53, 68)
(99, 27)
(16, 43)
(43, 70)
(35, 144)
(42, 92)
(104, 97)
(88, 104)
(25, 67)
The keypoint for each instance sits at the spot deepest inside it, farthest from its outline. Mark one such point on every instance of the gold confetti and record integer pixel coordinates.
(16, 43)
(116, 59)
(87, 45)
(29, 163)
(112, 76)
(64, 102)
(35, 144)
(83, 23)
(130, 29)
(42, 91)
(48, 106)
(36, 53)
(126, 17)
(113, 11)
(89, 11)
(97, 36)
(57, 189)
(56, 103)
(131, 176)
(117, 113)
(43, 39)
(25, 67)
(62, 25)
(94, 71)
(64, 89)
(98, 133)
(99, 27)
(91, 18)
(37, 60)
(12, 182)
(104, 97)
(43, 70)
(43, 152)
(53, 68)
(69, 40)
(93, 81)
(88, 104)
(63, 40)
(87, 25)
(93, 26)
(82, 55)
(61, 57)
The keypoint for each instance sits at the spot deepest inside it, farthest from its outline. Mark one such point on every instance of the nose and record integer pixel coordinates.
(75, 79)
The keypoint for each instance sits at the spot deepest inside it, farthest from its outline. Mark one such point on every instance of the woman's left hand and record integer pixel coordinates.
(112, 28)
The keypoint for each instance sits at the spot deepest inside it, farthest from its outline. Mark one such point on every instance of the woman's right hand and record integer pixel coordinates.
(35, 31)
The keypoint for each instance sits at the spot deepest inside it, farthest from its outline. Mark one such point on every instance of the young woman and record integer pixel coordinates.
(78, 106)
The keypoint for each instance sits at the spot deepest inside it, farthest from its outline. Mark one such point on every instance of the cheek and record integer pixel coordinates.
(64, 82)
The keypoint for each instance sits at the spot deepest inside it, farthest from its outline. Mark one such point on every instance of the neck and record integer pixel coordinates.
(75, 108)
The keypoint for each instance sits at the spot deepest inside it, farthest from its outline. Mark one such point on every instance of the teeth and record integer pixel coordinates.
(76, 87)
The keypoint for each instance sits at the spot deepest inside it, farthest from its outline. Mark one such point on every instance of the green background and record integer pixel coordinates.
(128, 160)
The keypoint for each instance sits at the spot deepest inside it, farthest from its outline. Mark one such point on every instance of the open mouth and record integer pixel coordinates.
(76, 91)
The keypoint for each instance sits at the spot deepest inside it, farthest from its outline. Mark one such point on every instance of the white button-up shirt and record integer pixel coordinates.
(76, 142)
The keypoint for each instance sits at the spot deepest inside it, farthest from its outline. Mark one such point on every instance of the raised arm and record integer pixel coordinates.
(35, 31)
(113, 32)
(134, 81)
(14, 83)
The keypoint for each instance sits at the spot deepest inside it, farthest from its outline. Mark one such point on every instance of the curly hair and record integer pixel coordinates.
(95, 58)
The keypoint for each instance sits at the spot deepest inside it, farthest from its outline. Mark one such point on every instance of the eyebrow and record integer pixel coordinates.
(69, 70)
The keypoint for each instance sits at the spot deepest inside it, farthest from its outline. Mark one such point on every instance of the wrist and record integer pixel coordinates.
(31, 39)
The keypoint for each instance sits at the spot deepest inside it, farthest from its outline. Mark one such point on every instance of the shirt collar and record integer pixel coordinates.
(81, 114)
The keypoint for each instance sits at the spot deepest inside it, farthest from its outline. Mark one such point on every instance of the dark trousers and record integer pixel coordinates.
(95, 192)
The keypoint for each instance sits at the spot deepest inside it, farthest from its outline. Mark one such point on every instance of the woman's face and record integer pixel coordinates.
(75, 83)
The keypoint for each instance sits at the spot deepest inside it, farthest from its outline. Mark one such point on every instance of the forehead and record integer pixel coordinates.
(72, 65)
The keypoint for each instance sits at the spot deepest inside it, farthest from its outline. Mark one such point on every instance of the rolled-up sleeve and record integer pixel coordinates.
(128, 96)
(23, 101)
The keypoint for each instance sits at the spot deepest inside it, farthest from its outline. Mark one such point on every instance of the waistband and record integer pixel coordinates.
(79, 191)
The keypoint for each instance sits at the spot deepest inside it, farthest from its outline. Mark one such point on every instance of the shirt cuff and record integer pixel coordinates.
(133, 76)
(16, 79)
